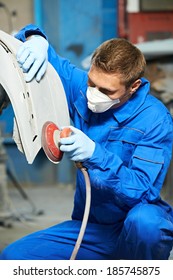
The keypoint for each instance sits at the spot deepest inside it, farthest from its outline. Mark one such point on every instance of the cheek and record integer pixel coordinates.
(120, 93)
(124, 99)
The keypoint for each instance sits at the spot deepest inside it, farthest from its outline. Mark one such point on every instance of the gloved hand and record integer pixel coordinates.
(32, 57)
(78, 146)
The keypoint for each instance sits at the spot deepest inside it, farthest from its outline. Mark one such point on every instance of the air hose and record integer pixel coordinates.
(86, 211)
(50, 136)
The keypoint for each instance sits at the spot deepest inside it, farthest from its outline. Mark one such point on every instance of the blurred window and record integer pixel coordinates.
(156, 5)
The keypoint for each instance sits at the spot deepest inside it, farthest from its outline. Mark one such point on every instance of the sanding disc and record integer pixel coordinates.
(49, 145)
(50, 139)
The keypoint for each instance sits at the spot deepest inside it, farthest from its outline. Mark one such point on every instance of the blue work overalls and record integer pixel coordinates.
(128, 219)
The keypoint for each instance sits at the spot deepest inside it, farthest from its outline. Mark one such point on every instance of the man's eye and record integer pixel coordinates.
(104, 91)
(91, 84)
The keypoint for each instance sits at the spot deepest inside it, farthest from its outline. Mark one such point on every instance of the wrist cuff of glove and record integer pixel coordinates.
(29, 33)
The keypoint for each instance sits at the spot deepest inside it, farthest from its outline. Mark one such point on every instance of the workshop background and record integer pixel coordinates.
(41, 194)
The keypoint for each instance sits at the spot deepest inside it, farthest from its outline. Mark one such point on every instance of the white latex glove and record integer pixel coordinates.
(32, 57)
(78, 146)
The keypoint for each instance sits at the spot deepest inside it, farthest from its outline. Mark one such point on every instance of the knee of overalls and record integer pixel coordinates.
(147, 223)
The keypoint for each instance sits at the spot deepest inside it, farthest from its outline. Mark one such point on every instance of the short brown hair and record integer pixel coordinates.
(120, 56)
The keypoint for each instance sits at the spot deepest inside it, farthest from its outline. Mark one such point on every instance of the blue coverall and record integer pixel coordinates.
(128, 219)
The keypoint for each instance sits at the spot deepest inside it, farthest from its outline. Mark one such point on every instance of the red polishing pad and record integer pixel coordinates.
(50, 148)
(50, 138)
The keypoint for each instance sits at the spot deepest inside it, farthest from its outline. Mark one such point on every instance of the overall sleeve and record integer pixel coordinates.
(29, 30)
(143, 178)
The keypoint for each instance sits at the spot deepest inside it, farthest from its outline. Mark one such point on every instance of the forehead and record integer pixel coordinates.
(103, 79)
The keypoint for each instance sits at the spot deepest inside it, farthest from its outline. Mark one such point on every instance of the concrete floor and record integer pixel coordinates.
(49, 205)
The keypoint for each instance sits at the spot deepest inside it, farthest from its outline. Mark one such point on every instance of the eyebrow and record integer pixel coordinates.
(101, 88)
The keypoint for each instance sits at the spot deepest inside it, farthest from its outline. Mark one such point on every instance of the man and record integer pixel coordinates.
(123, 136)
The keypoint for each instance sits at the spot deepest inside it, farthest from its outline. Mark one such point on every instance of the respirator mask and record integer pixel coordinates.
(99, 102)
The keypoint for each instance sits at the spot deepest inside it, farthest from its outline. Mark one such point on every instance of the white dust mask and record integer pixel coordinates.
(99, 102)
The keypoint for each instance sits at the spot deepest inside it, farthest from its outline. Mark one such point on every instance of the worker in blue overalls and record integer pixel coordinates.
(123, 136)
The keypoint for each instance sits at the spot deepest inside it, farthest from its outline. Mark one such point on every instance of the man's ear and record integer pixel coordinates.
(135, 86)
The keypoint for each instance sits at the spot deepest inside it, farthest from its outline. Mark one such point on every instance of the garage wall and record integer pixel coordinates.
(14, 14)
